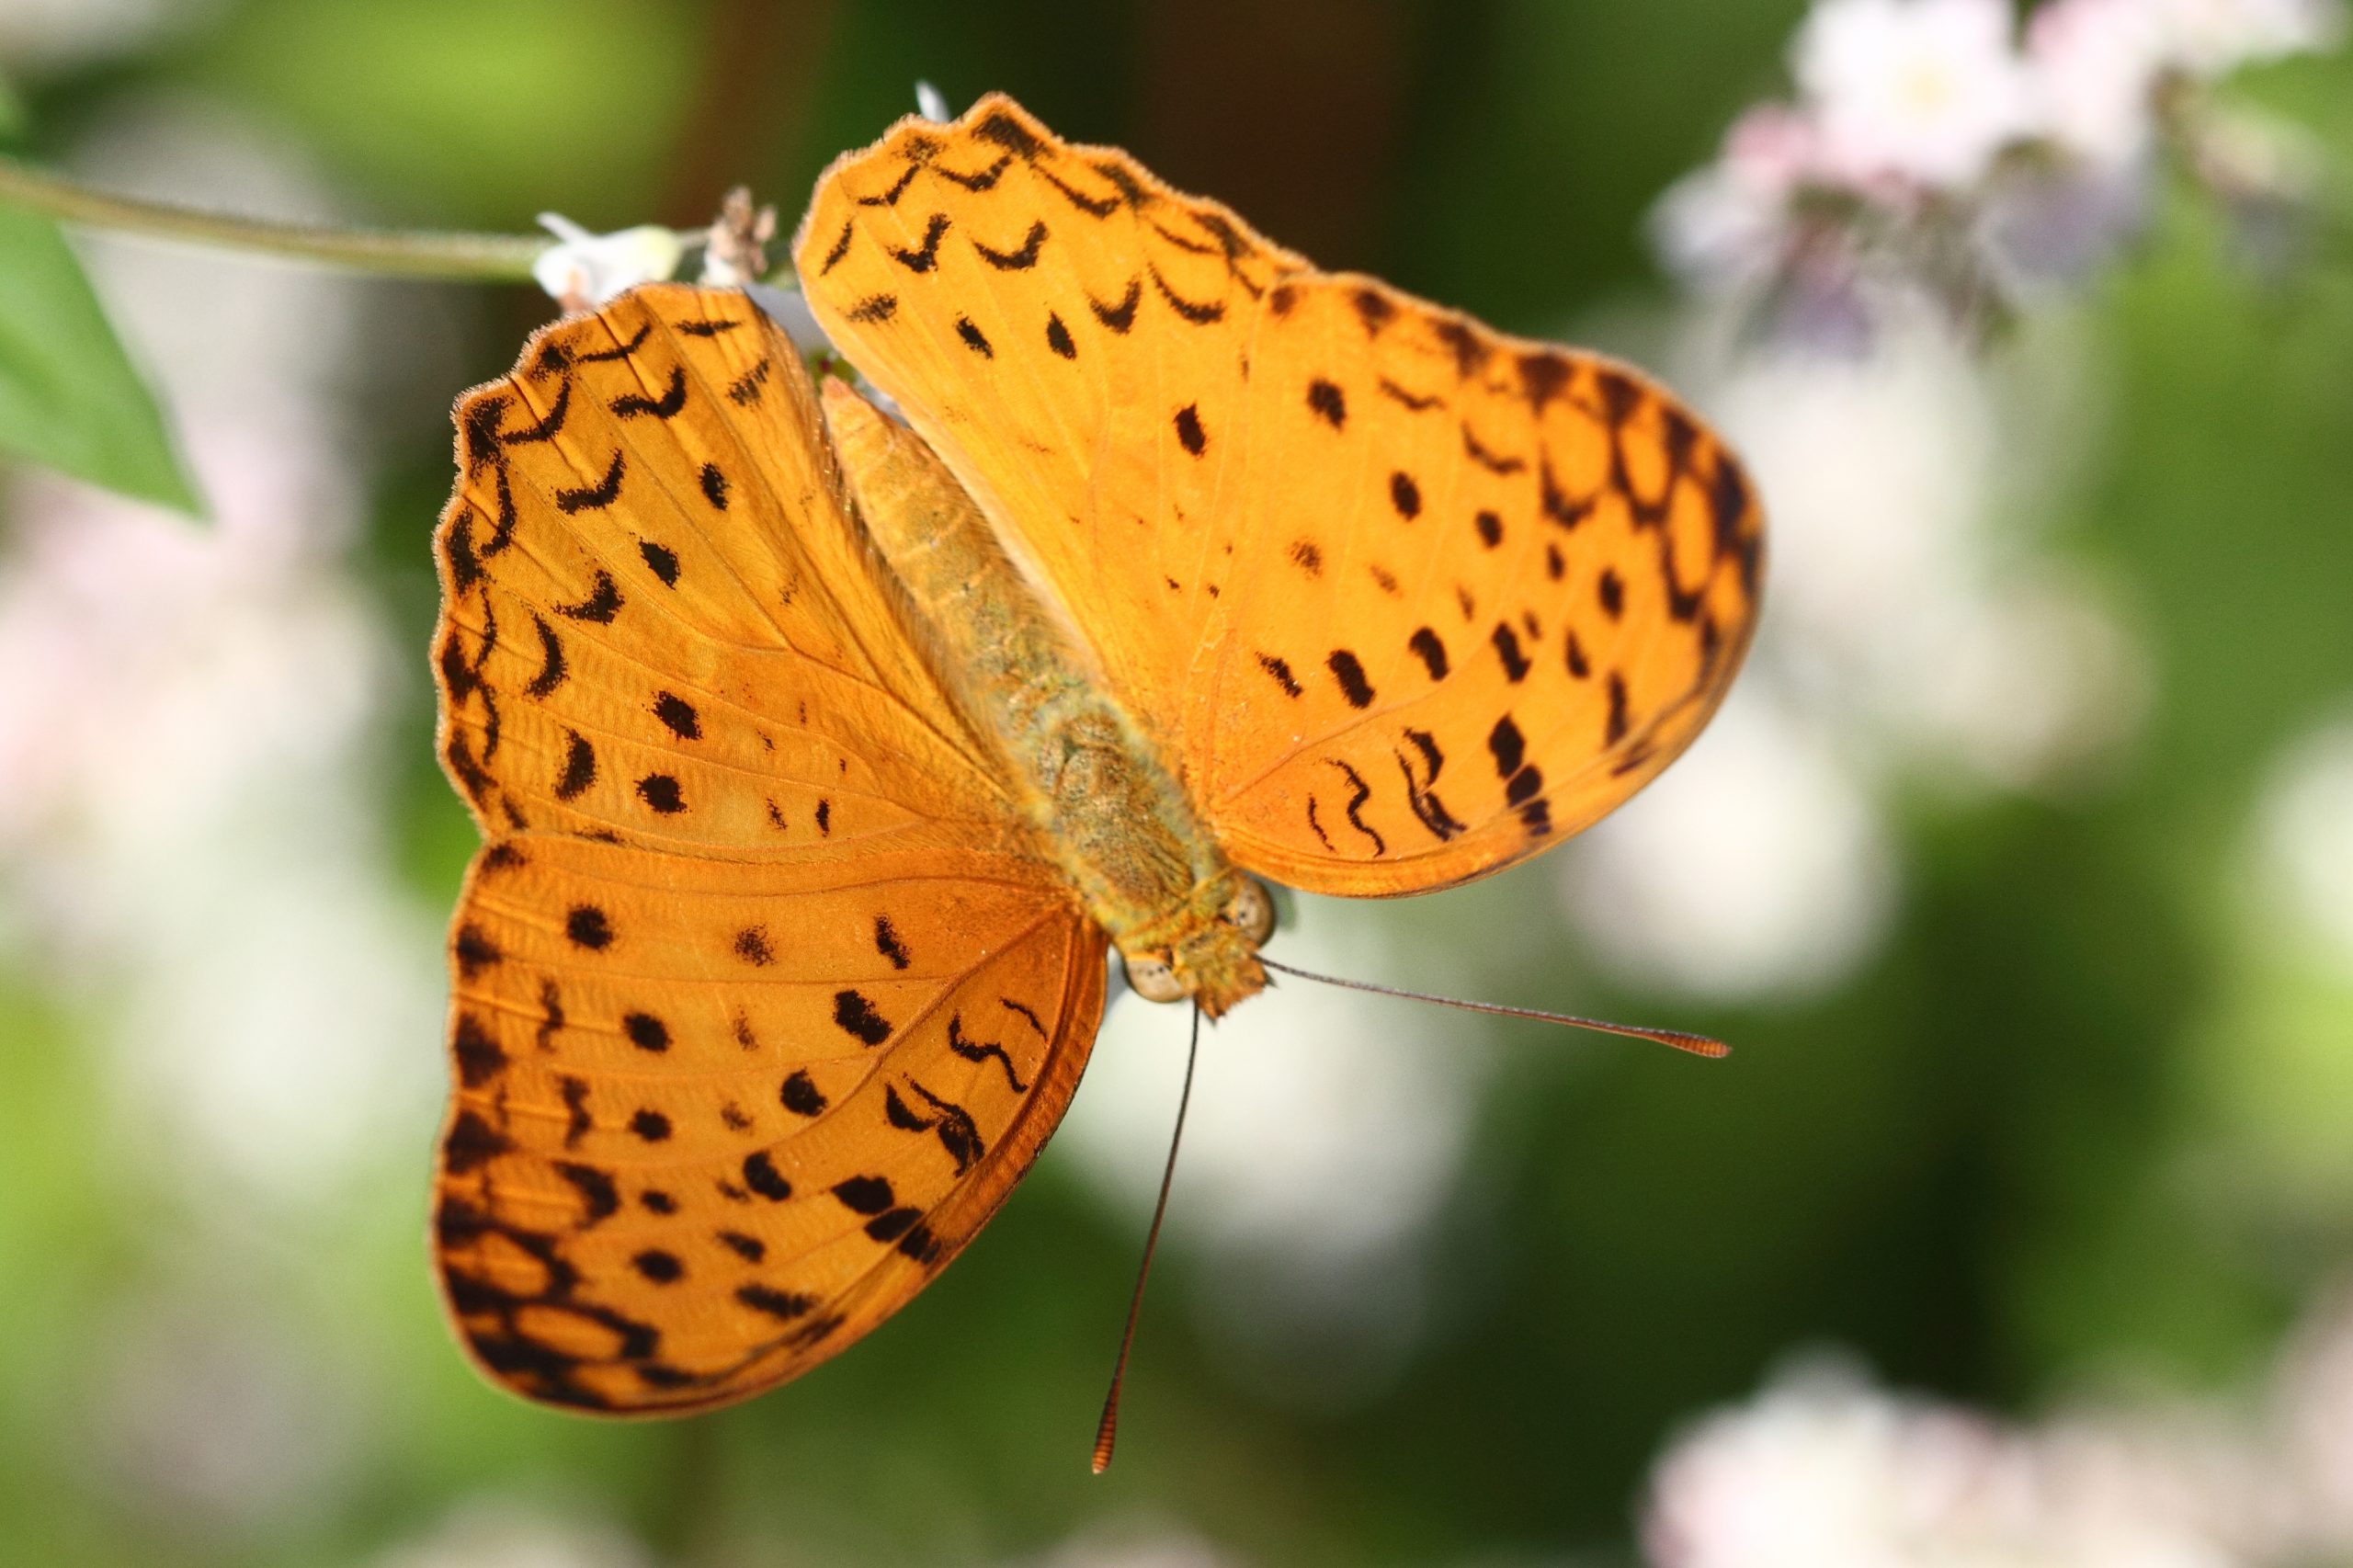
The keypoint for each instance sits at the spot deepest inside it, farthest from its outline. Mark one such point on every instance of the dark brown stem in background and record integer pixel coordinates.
(760, 59)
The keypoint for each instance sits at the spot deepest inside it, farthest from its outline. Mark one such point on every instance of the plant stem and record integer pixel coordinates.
(416, 253)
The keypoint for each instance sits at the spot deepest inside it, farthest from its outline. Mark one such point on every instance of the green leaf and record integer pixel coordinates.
(68, 398)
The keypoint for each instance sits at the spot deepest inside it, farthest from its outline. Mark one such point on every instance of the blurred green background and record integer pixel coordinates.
(2075, 1117)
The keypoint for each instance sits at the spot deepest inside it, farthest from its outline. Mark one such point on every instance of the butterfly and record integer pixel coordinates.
(819, 757)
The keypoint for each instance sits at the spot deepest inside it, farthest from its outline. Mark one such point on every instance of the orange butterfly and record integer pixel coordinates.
(819, 757)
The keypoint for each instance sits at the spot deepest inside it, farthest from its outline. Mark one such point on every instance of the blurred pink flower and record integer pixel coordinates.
(2210, 38)
(2095, 64)
(1925, 92)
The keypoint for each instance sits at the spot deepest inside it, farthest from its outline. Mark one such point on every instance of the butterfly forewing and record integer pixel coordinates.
(1403, 599)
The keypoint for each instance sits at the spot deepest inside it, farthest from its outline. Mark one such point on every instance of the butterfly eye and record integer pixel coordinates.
(1253, 910)
(1152, 979)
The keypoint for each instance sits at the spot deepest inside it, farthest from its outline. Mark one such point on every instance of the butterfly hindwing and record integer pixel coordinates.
(1483, 591)
(715, 1121)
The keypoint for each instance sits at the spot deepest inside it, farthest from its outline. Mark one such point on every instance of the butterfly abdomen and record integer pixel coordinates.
(1111, 814)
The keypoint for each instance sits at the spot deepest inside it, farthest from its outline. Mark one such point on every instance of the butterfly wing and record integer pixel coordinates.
(762, 1003)
(1069, 338)
(1407, 598)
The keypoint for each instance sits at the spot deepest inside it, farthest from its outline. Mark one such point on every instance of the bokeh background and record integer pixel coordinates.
(2019, 870)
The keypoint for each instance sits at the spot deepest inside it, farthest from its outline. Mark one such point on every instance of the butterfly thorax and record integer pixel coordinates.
(1106, 808)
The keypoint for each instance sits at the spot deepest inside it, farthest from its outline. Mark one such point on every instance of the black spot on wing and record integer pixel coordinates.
(596, 496)
(1420, 792)
(714, 486)
(678, 716)
(983, 1050)
(632, 405)
(1002, 130)
(661, 792)
(1280, 671)
(785, 1305)
(622, 350)
(979, 179)
(1507, 745)
(1507, 649)
(744, 389)
(1201, 313)
(864, 1193)
(1493, 462)
(1359, 793)
(549, 425)
(974, 338)
(1349, 671)
(661, 1268)
(1019, 260)
(1405, 495)
(856, 1017)
(1426, 647)
(887, 942)
(898, 187)
(645, 1031)
(603, 602)
(661, 561)
(1189, 434)
(840, 248)
(1093, 206)
(478, 1057)
(579, 767)
(800, 1094)
(472, 1142)
(1416, 401)
(551, 667)
(761, 1175)
(650, 1125)
(600, 1199)
(1328, 402)
(874, 308)
(926, 257)
(588, 926)
(752, 947)
(1121, 317)
(1491, 529)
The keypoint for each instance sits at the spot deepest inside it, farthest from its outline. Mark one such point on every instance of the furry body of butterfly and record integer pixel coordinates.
(1106, 810)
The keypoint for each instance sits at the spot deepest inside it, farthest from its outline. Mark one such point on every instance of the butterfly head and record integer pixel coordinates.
(1210, 953)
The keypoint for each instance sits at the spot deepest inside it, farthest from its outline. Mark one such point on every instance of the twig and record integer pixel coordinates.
(406, 253)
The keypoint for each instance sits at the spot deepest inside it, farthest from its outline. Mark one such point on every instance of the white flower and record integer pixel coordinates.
(2207, 37)
(2305, 824)
(1756, 867)
(1830, 1472)
(1729, 222)
(584, 269)
(1919, 91)
(2095, 64)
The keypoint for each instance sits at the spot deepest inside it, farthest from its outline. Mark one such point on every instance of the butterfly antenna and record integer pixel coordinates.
(1107, 1431)
(1696, 1044)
